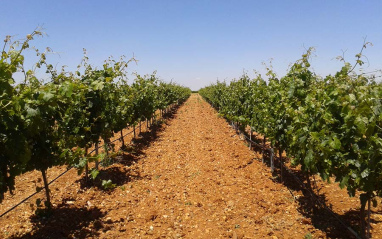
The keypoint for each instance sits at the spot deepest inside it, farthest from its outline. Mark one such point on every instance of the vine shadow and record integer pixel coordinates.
(135, 150)
(64, 221)
(129, 156)
(118, 176)
(313, 205)
(323, 219)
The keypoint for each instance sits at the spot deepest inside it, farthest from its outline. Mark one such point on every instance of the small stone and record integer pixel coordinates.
(305, 221)
(108, 220)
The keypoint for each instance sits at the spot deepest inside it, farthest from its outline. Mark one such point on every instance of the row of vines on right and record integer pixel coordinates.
(329, 126)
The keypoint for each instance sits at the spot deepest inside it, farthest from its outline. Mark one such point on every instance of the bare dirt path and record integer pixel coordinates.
(199, 180)
(191, 178)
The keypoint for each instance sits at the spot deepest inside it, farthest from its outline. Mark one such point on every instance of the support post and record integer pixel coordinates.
(264, 140)
(46, 186)
(96, 152)
(272, 163)
(250, 138)
(281, 163)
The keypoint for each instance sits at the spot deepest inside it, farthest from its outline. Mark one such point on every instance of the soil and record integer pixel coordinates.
(190, 177)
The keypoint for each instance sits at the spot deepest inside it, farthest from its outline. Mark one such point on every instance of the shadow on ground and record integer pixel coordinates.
(64, 221)
(312, 204)
(128, 156)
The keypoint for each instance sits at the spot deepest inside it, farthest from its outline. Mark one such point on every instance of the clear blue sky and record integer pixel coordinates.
(196, 42)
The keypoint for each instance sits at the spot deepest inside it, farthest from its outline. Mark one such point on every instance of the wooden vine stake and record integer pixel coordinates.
(47, 193)
(96, 152)
(122, 140)
(368, 218)
(281, 164)
(264, 140)
(86, 166)
(106, 147)
(272, 163)
(250, 138)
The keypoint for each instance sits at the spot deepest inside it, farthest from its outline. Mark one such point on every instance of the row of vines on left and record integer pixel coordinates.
(55, 122)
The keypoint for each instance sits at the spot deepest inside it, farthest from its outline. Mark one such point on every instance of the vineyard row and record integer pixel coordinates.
(331, 126)
(45, 124)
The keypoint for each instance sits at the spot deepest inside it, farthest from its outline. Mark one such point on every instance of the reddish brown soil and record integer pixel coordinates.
(190, 178)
